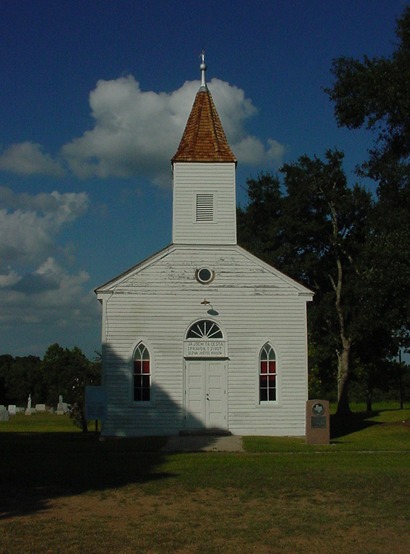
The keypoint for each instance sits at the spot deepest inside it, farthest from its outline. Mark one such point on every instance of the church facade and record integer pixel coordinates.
(203, 336)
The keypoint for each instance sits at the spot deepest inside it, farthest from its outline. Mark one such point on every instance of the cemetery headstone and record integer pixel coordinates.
(12, 409)
(4, 414)
(28, 409)
(62, 407)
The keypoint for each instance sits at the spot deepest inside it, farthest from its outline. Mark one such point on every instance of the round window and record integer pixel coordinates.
(204, 275)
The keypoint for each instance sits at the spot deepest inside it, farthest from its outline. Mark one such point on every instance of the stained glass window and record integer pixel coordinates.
(142, 374)
(267, 374)
(204, 329)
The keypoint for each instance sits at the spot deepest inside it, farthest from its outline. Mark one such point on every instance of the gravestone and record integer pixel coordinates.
(40, 407)
(62, 407)
(12, 409)
(28, 409)
(4, 414)
(317, 422)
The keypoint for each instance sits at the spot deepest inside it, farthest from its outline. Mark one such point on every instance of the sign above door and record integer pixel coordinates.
(205, 349)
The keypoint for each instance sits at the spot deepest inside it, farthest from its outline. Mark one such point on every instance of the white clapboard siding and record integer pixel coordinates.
(216, 180)
(158, 300)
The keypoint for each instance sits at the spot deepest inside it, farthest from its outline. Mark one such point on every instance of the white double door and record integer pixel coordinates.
(205, 394)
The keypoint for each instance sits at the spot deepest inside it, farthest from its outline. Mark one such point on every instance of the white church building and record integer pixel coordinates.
(203, 336)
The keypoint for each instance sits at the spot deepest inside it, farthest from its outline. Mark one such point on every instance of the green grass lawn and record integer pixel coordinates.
(64, 491)
(42, 422)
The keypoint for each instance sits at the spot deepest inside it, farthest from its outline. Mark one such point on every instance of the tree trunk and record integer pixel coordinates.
(343, 356)
(369, 400)
(401, 386)
(343, 407)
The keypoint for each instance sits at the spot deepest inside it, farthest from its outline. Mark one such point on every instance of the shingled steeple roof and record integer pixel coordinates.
(204, 139)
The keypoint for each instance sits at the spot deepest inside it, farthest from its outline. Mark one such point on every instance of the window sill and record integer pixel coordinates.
(268, 404)
(144, 404)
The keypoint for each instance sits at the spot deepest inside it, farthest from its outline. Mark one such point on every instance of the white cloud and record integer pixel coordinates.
(137, 132)
(27, 158)
(34, 287)
(276, 151)
(252, 152)
(51, 297)
(29, 224)
(9, 278)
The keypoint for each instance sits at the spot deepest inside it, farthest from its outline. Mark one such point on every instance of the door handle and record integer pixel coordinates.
(207, 395)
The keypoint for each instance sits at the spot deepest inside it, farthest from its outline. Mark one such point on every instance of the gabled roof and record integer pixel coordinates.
(189, 251)
(204, 139)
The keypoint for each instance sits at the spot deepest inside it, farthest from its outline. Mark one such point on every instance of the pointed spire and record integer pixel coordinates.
(204, 139)
(203, 70)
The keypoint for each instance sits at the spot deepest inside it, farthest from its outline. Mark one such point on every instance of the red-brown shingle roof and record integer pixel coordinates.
(204, 139)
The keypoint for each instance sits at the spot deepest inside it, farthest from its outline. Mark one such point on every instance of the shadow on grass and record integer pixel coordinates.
(37, 467)
(341, 426)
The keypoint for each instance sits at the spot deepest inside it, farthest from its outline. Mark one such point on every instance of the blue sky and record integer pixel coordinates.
(93, 102)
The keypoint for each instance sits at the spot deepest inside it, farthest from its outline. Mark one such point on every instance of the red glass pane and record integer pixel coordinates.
(272, 367)
(137, 366)
(272, 380)
(145, 366)
(264, 367)
(263, 381)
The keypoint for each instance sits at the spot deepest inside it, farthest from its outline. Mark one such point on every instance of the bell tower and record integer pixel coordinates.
(204, 201)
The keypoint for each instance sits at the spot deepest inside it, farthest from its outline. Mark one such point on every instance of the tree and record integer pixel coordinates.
(326, 230)
(317, 236)
(259, 225)
(375, 93)
(334, 239)
(67, 372)
(5, 362)
(19, 377)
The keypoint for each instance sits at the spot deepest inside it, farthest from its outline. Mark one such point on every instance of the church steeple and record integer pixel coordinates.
(204, 139)
(204, 207)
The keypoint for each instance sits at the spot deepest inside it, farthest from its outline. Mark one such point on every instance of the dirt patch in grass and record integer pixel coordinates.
(206, 520)
(70, 494)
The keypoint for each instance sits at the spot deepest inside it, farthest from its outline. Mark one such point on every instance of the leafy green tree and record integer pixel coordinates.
(19, 377)
(67, 372)
(375, 94)
(5, 361)
(326, 225)
(259, 225)
(334, 239)
(317, 236)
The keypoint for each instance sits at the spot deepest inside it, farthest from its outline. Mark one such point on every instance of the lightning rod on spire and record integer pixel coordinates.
(203, 69)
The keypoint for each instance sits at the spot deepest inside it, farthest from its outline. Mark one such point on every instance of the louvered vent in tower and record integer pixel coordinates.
(204, 207)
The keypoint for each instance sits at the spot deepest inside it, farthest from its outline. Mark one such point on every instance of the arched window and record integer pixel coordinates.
(267, 374)
(142, 374)
(204, 329)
